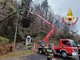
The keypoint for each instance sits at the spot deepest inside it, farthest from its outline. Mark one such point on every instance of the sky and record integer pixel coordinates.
(61, 7)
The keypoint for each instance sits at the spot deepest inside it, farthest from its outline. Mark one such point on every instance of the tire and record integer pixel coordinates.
(64, 54)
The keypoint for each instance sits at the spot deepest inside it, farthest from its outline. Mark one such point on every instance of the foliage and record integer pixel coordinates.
(4, 40)
(29, 24)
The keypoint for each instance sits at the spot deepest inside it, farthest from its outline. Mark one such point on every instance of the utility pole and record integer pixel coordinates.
(16, 29)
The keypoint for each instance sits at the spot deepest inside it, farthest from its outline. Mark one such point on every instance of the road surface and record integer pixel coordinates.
(41, 57)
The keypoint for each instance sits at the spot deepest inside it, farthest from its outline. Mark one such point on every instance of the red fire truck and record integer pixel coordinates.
(66, 47)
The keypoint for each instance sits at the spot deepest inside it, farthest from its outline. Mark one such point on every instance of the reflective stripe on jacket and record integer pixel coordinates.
(49, 53)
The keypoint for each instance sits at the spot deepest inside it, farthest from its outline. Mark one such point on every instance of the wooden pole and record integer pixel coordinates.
(16, 29)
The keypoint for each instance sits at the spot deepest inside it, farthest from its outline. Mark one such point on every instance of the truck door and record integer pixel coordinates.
(66, 46)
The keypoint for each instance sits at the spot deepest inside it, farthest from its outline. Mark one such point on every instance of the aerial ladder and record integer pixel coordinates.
(46, 38)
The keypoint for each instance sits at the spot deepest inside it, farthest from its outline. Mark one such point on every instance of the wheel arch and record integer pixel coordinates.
(63, 50)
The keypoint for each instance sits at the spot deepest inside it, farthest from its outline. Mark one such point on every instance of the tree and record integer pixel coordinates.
(26, 5)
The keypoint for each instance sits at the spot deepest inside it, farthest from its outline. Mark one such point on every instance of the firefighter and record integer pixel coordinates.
(49, 53)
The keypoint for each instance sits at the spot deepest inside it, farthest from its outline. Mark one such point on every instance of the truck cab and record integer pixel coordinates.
(67, 47)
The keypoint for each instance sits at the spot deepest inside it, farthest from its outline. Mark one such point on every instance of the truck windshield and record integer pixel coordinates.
(73, 43)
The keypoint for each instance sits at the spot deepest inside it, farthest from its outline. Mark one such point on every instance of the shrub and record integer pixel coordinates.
(3, 40)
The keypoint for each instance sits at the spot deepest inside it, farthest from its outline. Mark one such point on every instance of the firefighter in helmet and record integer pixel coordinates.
(49, 53)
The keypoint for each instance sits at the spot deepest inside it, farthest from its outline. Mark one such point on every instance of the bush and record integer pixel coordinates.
(3, 40)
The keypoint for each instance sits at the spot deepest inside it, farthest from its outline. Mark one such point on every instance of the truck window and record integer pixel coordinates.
(73, 43)
(66, 43)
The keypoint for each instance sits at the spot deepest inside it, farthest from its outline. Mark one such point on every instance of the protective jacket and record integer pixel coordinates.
(49, 53)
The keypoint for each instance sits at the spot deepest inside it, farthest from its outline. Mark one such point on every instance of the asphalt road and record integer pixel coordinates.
(43, 57)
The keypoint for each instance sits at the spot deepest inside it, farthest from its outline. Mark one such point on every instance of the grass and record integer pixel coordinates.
(17, 54)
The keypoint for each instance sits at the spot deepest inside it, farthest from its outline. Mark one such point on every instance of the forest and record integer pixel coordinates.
(16, 22)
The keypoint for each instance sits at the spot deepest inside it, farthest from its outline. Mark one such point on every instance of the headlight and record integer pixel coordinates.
(74, 53)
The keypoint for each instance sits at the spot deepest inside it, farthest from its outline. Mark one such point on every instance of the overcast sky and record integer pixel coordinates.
(61, 7)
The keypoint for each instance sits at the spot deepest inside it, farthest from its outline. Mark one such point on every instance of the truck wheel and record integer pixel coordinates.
(64, 54)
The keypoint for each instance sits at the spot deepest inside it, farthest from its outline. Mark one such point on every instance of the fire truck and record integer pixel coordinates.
(66, 47)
